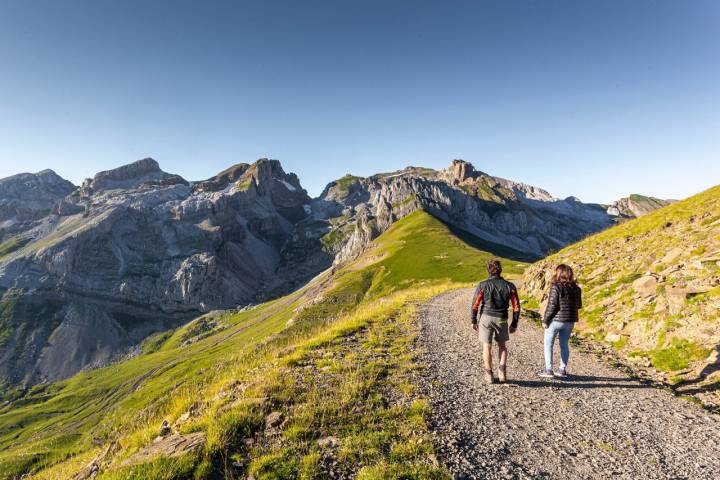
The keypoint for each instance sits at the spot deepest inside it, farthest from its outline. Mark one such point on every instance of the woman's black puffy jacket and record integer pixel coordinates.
(563, 304)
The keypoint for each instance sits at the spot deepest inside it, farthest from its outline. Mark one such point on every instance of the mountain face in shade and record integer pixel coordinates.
(136, 250)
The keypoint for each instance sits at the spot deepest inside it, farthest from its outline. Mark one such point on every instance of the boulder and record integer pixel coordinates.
(612, 337)
(672, 254)
(165, 429)
(92, 469)
(676, 297)
(172, 446)
(661, 305)
(645, 285)
(597, 272)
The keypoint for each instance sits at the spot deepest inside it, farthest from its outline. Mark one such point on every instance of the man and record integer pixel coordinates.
(491, 301)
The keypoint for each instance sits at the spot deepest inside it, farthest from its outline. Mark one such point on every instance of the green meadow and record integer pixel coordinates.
(334, 360)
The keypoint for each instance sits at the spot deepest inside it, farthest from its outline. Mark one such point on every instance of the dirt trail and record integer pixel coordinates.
(597, 424)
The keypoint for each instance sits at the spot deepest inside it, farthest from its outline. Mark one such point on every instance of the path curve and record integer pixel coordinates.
(599, 424)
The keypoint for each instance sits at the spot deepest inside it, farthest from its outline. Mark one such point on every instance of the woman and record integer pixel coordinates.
(560, 317)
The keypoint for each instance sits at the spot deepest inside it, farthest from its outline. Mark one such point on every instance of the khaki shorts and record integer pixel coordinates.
(490, 328)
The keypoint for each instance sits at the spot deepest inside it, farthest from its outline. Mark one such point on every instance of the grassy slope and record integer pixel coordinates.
(334, 358)
(675, 338)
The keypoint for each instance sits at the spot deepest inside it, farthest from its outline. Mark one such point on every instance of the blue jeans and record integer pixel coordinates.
(562, 330)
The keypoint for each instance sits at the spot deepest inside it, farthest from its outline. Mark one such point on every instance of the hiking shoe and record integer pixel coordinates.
(502, 375)
(489, 376)
(546, 374)
(561, 373)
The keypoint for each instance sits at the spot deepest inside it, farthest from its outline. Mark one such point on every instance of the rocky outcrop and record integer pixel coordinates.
(128, 176)
(138, 250)
(169, 446)
(635, 206)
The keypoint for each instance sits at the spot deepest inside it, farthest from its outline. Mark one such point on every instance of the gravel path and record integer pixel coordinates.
(597, 424)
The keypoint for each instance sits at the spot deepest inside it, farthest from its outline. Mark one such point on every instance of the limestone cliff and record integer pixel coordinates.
(523, 219)
(137, 250)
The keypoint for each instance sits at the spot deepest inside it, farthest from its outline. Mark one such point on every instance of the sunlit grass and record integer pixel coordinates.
(329, 356)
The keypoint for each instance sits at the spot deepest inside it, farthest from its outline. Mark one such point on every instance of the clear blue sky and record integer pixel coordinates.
(593, 99)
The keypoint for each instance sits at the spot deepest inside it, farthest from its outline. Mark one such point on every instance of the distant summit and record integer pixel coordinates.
(636, 206)
(26, 198)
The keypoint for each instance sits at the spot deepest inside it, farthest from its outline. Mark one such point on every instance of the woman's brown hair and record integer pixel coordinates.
(564, 276)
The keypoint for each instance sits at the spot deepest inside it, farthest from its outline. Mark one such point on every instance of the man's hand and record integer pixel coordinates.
(513, 329)
(475, 327)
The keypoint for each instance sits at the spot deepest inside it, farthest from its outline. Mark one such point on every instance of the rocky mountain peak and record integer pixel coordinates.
(635, 205)
(266, 174)
(270, 177)
(27, 197)
(32, 185)
(221, 180)
(461, 170)
(127, 176)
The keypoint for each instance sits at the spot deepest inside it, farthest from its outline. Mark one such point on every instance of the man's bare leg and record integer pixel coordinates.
(487, 360)
(502, 359)
(487, 355)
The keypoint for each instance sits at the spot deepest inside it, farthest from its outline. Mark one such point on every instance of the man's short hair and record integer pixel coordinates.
(494, 267)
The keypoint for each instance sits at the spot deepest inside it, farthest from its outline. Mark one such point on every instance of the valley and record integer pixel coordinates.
(334, 359)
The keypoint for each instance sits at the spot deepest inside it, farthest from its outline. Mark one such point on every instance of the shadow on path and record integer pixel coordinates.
(580, 381)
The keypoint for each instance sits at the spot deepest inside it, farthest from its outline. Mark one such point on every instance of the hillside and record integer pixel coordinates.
(317, 383)
(652, 291)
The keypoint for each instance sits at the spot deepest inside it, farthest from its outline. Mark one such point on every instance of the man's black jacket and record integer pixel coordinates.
(493, 297)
